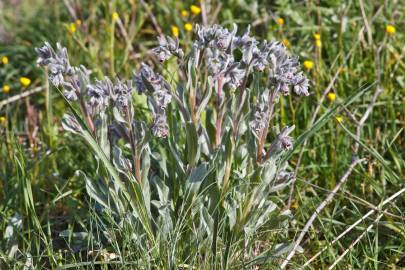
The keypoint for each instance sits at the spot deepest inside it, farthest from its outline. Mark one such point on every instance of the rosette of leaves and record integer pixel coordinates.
(202, 175)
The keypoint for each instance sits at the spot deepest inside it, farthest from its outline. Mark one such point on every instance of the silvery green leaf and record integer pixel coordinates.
(69, 123)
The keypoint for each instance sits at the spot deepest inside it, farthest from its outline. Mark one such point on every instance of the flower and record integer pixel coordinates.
(286, 42)
(188, 27)
(71, 28)
(308, 64)
(6, 88)
(331, 96)
(390, 29)
(115, 16)
(4, 60)
(280, 21)
(2, 119)
(184, 13)
(168, 47)
(25, 81)
(195, 9)
(78, 22)
(175, 31)
(339, 118)
(318, 42)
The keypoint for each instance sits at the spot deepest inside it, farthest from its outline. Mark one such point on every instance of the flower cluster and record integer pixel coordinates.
(158, 91)
(96, 96)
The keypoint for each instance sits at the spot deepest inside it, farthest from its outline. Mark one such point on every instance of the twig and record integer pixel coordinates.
(355, 224)
(376, 94)
(355, 242)
(20, 96)
(320, 207)
(153, 18)
(71, 10)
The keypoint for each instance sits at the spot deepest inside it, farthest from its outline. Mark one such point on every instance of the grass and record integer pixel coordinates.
(38, 161)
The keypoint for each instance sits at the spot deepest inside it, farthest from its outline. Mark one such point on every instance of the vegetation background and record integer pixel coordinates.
(345, 46)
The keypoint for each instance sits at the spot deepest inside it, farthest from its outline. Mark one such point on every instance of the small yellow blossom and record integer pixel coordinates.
(318, 43)
(115, 16)
(25, 81)
(280, 21)
(78, 22)
(308, 64)
(6, 88)
(339, 118)
(188, 27)
(331, 96)
(317, 36)
(71, 28)
(390, 30)
(175, 31)
(2, 119)
(195, 9)
(4, 60)
(184, 13)
(286, 42)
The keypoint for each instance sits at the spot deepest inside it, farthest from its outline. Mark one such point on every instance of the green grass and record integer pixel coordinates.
(38, 161)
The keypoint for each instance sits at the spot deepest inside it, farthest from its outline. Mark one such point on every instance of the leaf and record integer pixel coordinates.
(193, 149)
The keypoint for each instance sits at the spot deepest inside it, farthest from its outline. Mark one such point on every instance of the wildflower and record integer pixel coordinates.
(188, 27)
(175, 31)
(71, 28)
(318, 43)
(160, 128)
(6, 88)
(3, 119)
(283, 142)
(339, 118)
(115, 16)
(308, 64)
(4, 60)
(331, 96)
(78, 22)
(390, 29)
(280, 21)
(168, 47)
(317, 36)
(57, 62)
(184, 13)
(195, 9)
(25, 81)
(286, 42)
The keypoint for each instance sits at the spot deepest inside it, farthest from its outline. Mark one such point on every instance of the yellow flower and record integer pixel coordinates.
(115, 16)
(25, 81)
(188, 27)
(308, 64)
(195, 9)
(175, 31)
(286, 42)
(78, 22)
(318, 43)
(6, 88)
(71, 28)
(339, 118)
(4, 60)
(317, 36)
(2, 119)
(280, 21)
(184, 13)
(331, 96)
(390, 30)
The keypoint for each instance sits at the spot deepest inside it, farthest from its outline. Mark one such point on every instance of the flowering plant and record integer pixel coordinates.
(201, 168)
